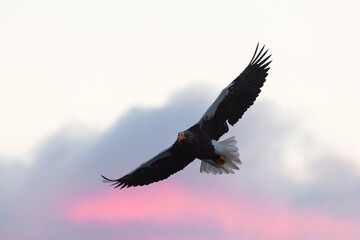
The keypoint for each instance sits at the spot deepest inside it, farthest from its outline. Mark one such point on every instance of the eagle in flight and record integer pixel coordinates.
(202, 139)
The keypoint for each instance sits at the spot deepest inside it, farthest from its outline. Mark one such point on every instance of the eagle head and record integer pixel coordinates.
(181, 136)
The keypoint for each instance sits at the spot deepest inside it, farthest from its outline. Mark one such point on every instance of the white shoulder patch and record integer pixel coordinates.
(165, 153)
(210, 112)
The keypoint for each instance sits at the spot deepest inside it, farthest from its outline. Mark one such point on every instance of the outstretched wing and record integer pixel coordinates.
(237, 97)
(158, 168)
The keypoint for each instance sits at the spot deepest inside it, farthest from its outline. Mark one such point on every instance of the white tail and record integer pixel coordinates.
(228, 149)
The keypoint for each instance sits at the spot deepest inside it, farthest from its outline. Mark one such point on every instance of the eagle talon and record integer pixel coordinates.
(221, 160)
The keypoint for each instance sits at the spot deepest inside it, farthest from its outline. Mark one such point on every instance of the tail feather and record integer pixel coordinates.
(228, 149)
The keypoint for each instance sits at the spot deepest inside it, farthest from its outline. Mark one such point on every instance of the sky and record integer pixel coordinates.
(86, 84)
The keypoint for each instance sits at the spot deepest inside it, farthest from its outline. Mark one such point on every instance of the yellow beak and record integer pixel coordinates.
(181, 137)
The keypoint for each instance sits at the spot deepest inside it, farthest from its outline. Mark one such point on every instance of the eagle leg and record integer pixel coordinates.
(221, 160)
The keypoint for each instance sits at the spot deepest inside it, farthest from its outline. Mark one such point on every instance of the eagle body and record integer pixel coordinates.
(198, 143)
(201, 141)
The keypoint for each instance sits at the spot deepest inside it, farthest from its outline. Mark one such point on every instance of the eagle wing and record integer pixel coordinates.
(158, 168)
(237, 97)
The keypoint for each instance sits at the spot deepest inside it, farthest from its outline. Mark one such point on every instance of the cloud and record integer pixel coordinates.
(334, 189)
(237, 214)
(61, 195)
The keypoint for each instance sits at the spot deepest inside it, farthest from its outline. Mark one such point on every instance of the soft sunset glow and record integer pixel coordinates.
(236, 213)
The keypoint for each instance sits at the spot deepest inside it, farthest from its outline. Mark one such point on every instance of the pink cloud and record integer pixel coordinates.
(234, 213)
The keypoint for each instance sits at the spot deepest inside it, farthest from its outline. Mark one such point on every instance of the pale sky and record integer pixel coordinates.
(80, 68)
(87, 62)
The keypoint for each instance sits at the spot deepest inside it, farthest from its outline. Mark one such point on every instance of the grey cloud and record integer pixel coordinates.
(68, 163)
(336, 187)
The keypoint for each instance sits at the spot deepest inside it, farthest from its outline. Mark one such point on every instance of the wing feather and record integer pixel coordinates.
(238, 96)
(158, 168)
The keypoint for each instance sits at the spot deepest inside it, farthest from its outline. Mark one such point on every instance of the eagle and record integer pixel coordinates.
(201, 141)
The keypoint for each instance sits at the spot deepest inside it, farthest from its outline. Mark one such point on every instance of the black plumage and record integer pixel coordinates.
(200, 140)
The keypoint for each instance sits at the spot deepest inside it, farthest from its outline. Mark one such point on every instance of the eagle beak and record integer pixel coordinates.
(181, 137)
